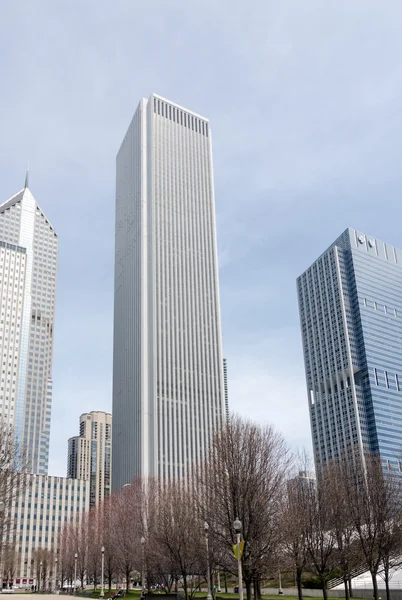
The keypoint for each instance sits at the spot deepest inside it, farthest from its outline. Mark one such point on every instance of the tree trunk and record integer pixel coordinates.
(248, 588)
(345, 583)
(185, 587)
(350, 587)
(375, 586)
(258, 586)
(324, 590)
(299, 573)
(110, 581)
(255, 588)
(127, 579)
(386, 579)
(226, 582)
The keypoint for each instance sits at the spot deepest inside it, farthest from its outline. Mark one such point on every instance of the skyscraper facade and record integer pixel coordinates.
(168, 391)
(43, 507)
(350, 303)
(225, 385)
(28, 266)
(89, 454)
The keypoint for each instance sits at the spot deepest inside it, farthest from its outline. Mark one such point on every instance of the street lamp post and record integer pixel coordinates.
(206, 528)
(2, 509)
(102, 592)
(56, 560)
(143, 567)
(75, 570)
(237, 527)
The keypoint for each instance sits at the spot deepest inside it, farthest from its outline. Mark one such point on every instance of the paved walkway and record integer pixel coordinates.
(26, 594)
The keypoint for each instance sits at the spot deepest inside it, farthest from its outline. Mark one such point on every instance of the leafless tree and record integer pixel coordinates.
(43, 562)
(321, 537)
(174, 538)
(293, 525)
(9, 563)
(13, 477)
(161, 566)
(126, 523)
(108, 539)
(391, 549)
(80, 536)
(374, 498)
(348, 551)
(95, 542)
(244, 478)
(66, 556)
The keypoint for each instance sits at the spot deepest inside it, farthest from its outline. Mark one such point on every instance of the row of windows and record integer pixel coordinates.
(390, 380)
(379, 306)
(179, 116)
(47, 518)
(12, 247)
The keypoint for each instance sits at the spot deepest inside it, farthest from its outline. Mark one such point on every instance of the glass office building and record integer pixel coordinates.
(350, 303)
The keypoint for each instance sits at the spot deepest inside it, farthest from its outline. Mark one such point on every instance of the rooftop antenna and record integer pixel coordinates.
(27, 177)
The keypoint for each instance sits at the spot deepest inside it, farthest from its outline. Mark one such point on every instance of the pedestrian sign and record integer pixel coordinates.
(236, 548)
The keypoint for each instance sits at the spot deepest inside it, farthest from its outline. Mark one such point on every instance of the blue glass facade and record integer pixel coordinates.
(350, 303)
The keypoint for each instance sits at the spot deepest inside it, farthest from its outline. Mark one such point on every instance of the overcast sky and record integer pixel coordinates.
(305, 103)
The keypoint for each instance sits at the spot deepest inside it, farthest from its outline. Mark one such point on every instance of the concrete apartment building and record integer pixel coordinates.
(89, 454)
(37, 517)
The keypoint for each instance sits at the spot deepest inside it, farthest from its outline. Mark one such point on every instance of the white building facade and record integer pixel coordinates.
(28, 266)
(37, 517)
(89, 454)
(168, 384)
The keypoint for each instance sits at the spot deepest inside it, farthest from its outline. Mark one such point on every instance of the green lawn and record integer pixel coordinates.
(137, 593)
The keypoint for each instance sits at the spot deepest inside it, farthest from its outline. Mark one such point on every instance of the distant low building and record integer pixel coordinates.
(305, 480)
(89, 454)
(37, 516)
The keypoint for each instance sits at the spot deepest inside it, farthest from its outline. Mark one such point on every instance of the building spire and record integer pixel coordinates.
(27, 177)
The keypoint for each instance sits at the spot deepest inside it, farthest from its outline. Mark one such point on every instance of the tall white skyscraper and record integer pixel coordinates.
(28, 265)
(168, 388)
